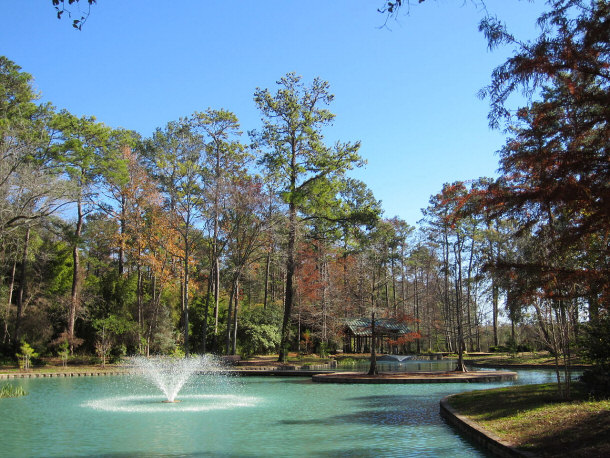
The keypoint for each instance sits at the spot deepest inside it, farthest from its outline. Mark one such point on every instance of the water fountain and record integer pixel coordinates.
(170, 374)
(205, 378)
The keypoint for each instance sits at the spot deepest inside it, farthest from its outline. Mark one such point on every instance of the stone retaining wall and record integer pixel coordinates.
(57, 374)
(416, 377)
(488, 440)
(252, 371)
(577, 367)
(275, 372)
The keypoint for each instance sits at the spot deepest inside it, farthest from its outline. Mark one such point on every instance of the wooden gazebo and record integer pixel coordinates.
(358, 334)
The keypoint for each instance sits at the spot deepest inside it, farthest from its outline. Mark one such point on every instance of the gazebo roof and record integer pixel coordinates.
(362, 326)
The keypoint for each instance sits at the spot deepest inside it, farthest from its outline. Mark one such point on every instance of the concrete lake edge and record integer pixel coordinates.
(478, 434)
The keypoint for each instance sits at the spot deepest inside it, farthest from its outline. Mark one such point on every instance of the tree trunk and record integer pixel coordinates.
(22, 285)
(153, 321)
(373, 367)
(417, 341)
(446, 302)
(269, 252)
(403, 283)
(206, 311)
(76, 280)
(267, 271)
(122, 221)
(495, 292)
(215, 250)
(387, 292)
(216, 299)
(186, 296)
(494, 298)
(324, 279)
(564, 329)
(469, 295)
(235, 312)
(140, 301)
(394, 303)
(229, 320)
(461, 367)
(289, 295)
(9, 304)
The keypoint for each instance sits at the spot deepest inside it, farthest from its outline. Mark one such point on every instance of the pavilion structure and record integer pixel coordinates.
(358, 334)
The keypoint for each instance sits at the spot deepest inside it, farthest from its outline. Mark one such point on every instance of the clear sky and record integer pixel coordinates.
(406, 91)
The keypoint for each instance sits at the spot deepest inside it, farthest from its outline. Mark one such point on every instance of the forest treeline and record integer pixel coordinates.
(202, 239)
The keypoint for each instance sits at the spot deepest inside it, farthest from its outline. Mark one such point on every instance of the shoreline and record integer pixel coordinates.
(478, 434)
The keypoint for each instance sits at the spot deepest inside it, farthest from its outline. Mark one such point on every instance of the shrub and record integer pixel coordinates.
(259, 331)
(596, 349)
(259, 339)
(26, 355)
(347, 361)
(64, 352)
(323, 349)
(597, 381)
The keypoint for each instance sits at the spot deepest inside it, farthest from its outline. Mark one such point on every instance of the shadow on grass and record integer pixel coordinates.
(507, 402)
(588, 437)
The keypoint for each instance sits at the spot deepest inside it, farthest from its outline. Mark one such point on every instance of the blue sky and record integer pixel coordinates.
(406, 91)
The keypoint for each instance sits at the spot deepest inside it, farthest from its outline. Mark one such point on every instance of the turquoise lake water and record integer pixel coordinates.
(121, 416)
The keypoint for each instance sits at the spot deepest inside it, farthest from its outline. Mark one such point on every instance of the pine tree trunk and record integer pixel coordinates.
(373, 367)
(216, 254)
(394, 303)
(216, 300)
(206, 311)
(289, 295)
(459, 312)
(416, 304)
(140, 301)
(267, 271)
(122, 221)
(76, 280)
(9, 304)
(235, 312)
(229, 320)
(22, 285)
(186, 296)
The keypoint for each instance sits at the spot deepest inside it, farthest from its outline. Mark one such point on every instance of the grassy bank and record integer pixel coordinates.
(543, 359)
(54, 365)
(532, 418)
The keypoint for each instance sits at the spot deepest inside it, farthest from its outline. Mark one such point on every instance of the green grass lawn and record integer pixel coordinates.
(529, 358)
(54, 365)
(532, 418)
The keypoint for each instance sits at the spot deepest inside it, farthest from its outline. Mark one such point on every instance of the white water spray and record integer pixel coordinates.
(211, 388)
(171, 374)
